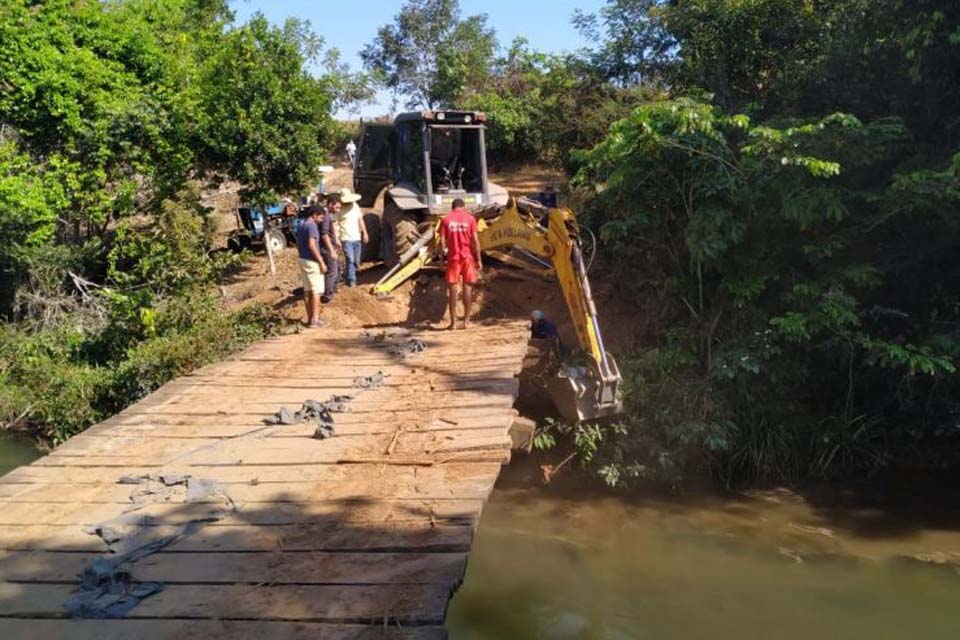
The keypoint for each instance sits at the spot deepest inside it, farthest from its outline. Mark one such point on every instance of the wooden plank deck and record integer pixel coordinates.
(362, 535)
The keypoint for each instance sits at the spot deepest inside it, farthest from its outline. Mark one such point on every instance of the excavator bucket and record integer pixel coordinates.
(580, 394)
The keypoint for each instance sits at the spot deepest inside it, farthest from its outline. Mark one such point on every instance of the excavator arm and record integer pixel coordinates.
(580, 392)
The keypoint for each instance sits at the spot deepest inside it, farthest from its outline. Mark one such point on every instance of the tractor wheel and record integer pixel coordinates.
(399, 231)
(238, 242)
(276, 239)
(371, 250)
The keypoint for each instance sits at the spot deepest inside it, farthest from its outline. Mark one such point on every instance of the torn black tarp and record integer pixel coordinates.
(107, 589)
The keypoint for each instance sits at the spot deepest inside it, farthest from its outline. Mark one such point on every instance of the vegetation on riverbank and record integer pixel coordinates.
(112, 117)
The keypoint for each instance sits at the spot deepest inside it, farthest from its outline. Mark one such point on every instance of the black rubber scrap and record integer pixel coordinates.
(284, 416)
(369, 382)
(313, 410)
(407, 348)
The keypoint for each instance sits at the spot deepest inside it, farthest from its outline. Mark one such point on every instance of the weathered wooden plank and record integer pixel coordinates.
(373, 359)
(258, 475)
(135, 446)
(246, 567)
(132, 445)
(251, 407)
(384, 415)
(339, 603)
(343, 511)
(500, 400)
(212, 394)
(346, 425)
(250, 371)
(26, 600)
(395, 536)
(446, 454)
(245, 370)
(439, 381)
(379, 487)
(33, 629)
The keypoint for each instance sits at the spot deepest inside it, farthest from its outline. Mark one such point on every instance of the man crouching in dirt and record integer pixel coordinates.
(312, 266)
(461, 248)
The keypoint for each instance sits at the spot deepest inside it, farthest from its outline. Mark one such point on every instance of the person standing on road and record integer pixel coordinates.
(461, 247)
(352, 232)
(312, 265)
(352, 153)
(329, 245)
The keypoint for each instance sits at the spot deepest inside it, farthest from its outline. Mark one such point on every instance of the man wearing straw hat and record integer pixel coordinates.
(353, 233)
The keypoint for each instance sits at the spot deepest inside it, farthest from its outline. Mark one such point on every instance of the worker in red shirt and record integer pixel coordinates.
(461, 248)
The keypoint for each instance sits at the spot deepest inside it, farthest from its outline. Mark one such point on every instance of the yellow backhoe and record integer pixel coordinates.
(545, 241)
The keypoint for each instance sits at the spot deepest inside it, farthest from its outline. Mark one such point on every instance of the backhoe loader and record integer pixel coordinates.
(545, 241)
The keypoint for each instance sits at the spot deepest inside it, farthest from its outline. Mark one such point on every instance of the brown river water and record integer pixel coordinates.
(550, 563)
(15, 452)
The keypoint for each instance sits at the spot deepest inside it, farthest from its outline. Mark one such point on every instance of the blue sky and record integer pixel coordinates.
(349, 26)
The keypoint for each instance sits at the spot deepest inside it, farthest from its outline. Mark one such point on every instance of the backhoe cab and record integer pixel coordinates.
(421, 162)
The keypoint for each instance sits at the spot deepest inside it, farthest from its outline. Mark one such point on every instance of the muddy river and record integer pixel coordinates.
(768, 565)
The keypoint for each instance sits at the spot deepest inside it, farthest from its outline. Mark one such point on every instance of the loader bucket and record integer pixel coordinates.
(579, 395)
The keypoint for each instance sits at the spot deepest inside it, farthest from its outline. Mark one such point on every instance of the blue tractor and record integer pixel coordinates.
(264, 225)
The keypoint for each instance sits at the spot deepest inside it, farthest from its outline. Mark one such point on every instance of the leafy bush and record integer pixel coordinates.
(771, 250)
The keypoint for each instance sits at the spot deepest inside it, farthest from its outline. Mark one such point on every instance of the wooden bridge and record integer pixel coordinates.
(188, 516)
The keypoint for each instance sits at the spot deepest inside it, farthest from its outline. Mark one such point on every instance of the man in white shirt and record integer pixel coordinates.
(352, 232)
(352, 153)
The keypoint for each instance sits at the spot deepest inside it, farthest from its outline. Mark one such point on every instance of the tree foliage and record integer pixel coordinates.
(265, 119)
(800, 258)
(430, 54)
(112, 114)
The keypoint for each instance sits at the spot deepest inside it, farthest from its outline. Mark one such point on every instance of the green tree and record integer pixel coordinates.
(631, 44)
(430, 55)
(266, 121)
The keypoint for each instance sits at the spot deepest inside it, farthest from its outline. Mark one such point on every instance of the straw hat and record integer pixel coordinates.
(347, 195)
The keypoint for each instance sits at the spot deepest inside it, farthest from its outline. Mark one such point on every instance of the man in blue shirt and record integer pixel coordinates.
(543, 329)
(312, 266)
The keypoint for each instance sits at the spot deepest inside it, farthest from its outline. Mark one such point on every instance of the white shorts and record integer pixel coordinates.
(312, 277)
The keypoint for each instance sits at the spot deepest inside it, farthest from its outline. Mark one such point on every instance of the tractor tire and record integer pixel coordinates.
(276, 239)
(237, 243)
(399, 231)
(371, 251)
